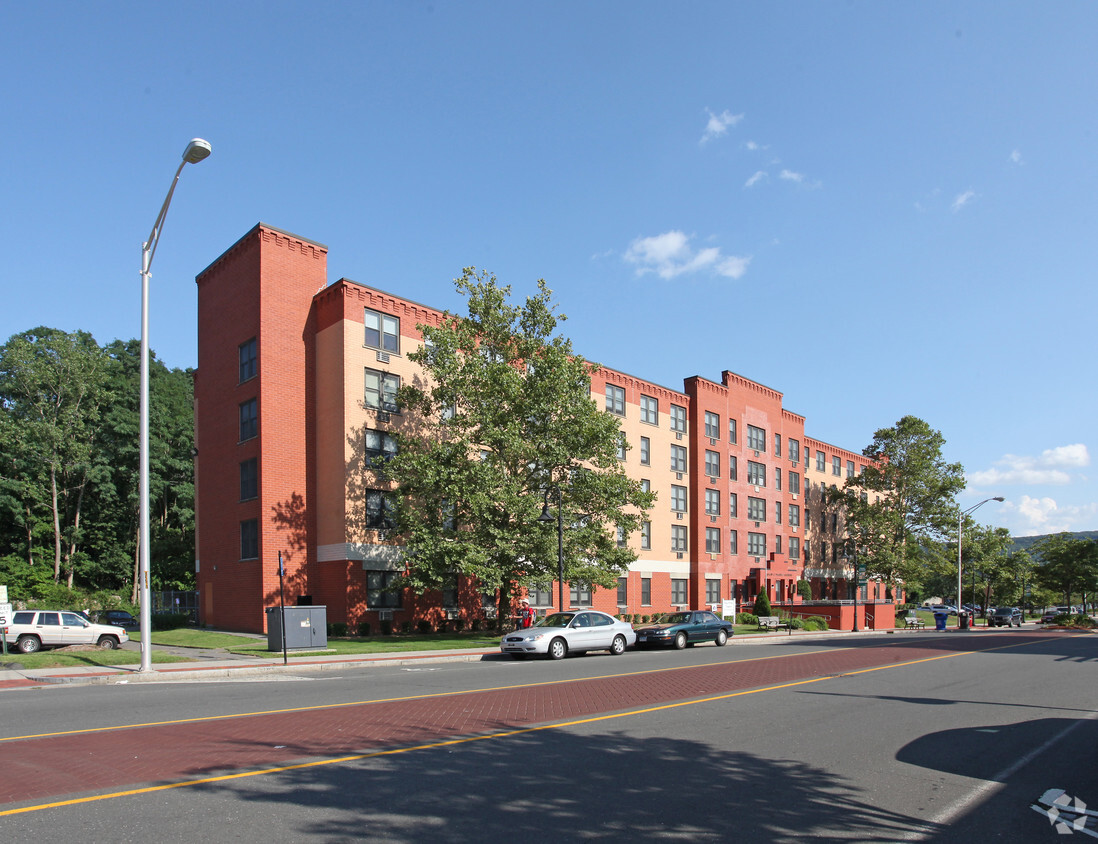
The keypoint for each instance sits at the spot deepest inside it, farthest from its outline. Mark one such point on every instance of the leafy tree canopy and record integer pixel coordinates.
(501, 423)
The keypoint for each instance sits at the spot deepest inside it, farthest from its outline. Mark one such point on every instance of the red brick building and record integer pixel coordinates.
(294, 389)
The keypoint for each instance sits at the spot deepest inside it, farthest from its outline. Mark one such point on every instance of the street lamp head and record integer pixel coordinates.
(998, 498)
(197, 149)
(545, 515)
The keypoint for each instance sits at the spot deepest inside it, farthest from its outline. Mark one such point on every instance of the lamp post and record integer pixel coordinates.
(547, 517)
(960, 532)
(196, 150)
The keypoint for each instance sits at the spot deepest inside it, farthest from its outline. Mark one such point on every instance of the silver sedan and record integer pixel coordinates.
(557, 634)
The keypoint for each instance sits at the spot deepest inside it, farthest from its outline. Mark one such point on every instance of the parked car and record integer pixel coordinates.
(1005, 617)
(685, 628)
(32, 630)
(1052, 612)
(119, 618)
(947, 609)
(560, 633)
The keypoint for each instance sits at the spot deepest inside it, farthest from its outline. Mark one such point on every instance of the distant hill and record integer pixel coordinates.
(1023, 543)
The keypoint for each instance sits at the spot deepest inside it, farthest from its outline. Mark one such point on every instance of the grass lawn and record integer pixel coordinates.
(95, 656)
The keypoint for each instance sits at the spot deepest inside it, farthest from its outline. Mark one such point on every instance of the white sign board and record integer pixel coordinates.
(3, 594)
(5, 612)
(728, 608)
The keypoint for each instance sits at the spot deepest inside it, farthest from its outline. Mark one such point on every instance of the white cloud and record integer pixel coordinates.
(755, 146)
(1016, 156)
(754, 180)
(718, 124)
(670, 254)
(962, 199)
(790, 176)
(1050, 468)
(1046, 515)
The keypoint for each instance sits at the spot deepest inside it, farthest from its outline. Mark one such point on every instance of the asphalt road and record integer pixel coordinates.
(911, 737)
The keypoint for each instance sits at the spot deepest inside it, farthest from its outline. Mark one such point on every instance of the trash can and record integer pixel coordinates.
(940, 620)
(962, 621)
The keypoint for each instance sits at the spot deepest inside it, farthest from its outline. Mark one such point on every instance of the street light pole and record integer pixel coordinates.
(196, 151)
(545, 517)
(960, 532)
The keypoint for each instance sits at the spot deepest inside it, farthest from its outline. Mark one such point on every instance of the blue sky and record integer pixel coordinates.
(878, 209)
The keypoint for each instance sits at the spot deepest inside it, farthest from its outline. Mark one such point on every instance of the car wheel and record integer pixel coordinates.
(29, 644)
(617, 647)
(557, 649)
(680, 641)
(722, 638)
(107, 643)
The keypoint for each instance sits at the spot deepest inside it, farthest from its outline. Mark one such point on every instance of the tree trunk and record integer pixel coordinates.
(56, 526)
(136, 565)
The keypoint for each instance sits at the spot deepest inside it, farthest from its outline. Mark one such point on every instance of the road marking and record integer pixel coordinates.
(464, 739)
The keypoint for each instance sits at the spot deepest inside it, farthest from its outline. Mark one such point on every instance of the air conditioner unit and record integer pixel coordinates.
(452, 614)
(383, 416)
(384, 615)
(489, 612)
(383, 357)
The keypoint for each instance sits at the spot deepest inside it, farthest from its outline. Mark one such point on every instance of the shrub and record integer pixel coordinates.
(796, 623)
(746, 618)
(804, 589)
(816, 622)
(169, 620)
(762, 605)
(459, 624)
(405, 627)
(474, 625)
(387, 627)
(337, 629)
(364, 628)
(423, 626)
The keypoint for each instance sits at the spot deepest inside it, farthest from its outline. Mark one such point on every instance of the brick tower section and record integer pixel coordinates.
(261, 288)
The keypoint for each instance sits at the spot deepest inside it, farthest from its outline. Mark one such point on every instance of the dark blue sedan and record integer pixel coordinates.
(680, 629)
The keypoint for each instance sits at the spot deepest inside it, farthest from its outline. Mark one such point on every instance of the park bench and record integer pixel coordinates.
(913, 622)
(772, 622)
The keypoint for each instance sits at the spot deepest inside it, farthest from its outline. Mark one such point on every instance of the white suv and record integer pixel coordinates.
(31, 630)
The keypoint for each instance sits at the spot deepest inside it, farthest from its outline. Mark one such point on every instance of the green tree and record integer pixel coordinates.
(903, 505)
(762, 604)
(1067, 565)
(503, 421)
(987, 564)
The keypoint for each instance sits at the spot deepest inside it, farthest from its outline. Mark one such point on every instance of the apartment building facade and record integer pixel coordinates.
(295, 394)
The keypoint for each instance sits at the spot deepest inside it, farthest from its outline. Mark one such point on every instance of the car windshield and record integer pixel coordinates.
(557, 619)
(674, 618)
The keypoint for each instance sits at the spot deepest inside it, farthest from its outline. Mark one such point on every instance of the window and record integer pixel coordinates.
(646, 451)
(850, 468)
(778, 544)
(678, 590)
(794, 515)
(621, 447)
(623, 591)
(382, 332)
(678, 458)
(712, 502)
(646, 485)
(249, 539)
(678, 538)
(712, 540)
(615, 400)
(540, 595)
(712, 592)
(247, 360)
(678, 419)
(794, 483)
(794, 448)
(756, 438)
(794, 547)
(678, 498)
(381, 390)
(756, 509)
(733, 474)
(646, 535)
(732, 505)
(778, 479)
(756, 473)
(756, 544)
(379, 591)
(777, 445)
(712, 425)
(579, 593)
(777, 512)
(821, 461)
(836, 466)
(733, 542)
(249, 479)
(379, 510)
(249, 419)
(378, 447)
(650, 410)
(646, 591)
(621, 538)
(732, 431)
(712, 464)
